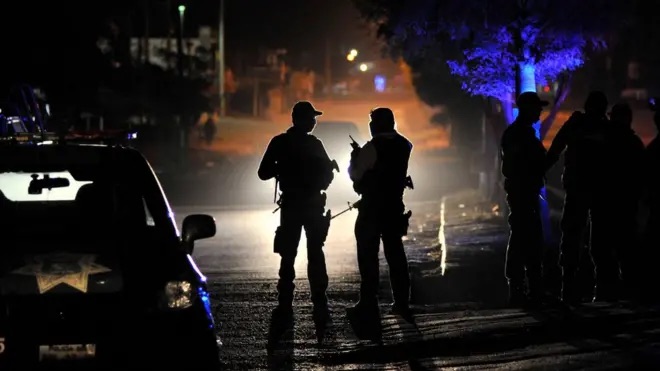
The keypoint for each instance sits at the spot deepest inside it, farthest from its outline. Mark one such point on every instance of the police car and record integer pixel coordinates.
(93, 270)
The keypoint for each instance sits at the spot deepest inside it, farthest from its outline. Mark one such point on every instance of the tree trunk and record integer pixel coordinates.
(527, 77)
(560, 97)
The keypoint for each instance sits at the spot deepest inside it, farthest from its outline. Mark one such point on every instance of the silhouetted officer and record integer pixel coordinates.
(379, 171)
(303, 169)
(586, 139)
(623, 188)
(652, 228)
(523, 167)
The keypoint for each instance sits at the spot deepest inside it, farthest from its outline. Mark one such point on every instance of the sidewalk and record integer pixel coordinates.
(461, 317)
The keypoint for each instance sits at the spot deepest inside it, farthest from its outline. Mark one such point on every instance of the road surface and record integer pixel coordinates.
(458, 295)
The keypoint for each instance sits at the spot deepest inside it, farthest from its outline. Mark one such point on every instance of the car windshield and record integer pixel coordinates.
(336, 133)
(335, 138)
(50, 199)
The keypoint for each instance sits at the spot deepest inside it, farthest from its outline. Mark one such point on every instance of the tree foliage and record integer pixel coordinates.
(484, 41)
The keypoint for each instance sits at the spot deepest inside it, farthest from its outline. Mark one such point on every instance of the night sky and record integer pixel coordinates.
(293, 24)
(57, 37)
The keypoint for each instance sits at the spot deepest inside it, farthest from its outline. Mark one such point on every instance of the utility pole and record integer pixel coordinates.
(221, 59)
(168, 43)
(145, 97)
(146, 31)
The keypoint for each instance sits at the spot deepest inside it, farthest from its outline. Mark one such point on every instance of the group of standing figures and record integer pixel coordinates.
(302, 168)
(608, 174)
(611, 204)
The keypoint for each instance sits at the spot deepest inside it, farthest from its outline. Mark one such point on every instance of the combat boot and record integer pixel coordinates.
(402, 310)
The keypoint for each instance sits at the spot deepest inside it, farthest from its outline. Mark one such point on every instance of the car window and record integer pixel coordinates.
(73, 203)
(79, 208)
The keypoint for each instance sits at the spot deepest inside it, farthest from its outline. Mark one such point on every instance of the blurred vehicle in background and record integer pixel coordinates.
(335, 138)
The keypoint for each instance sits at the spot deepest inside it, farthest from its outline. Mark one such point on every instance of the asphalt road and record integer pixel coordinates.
(458, 294)
(242, 273)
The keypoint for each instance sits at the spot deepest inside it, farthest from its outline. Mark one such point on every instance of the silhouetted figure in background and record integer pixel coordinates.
(652, 197)
(585, 137)
(303, 169)
(378, 171)
(209, 130)
(623, 187)
(523, 167)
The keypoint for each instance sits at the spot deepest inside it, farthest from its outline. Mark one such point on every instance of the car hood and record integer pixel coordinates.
(60, 273)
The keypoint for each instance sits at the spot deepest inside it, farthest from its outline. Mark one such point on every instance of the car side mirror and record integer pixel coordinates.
(196, 227)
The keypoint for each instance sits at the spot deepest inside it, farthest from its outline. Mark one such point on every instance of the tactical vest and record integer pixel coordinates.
(303, 171)
(386, 181)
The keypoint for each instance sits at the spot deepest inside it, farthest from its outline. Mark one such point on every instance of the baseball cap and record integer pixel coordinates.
(530, 98)
(304, 108)
(382, 114)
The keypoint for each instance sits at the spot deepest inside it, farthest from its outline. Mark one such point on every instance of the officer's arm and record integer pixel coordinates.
(364, 161)
(508, 151)
(559, 143)
(268, 165)
(327, 174)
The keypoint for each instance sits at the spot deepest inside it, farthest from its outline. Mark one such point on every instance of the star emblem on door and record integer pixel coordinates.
(52, 270)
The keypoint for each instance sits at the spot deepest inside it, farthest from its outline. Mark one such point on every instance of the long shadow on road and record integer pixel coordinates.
(508, 337)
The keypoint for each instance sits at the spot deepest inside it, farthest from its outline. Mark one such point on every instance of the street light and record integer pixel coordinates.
(351, 55)
(364, 67)
(182, 10)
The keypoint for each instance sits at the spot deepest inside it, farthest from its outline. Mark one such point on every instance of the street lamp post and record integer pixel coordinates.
(182, 10)
(221, 59)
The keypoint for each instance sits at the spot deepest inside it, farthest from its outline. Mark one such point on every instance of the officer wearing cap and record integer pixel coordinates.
(523, 167)
(587, 141)
(301, 165)
(626, 161)
(378, 171)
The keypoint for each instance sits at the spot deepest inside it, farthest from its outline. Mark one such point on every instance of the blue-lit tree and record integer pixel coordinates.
(497, 48)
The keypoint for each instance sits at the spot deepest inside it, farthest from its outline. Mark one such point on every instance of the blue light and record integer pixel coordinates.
(380, 82)
(206, 301)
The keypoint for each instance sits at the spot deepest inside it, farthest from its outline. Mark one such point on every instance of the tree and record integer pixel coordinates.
(498, 48)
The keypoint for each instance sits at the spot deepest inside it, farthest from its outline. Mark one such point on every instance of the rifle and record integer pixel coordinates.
(277, 201)
(350, 207)
(279, 204)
